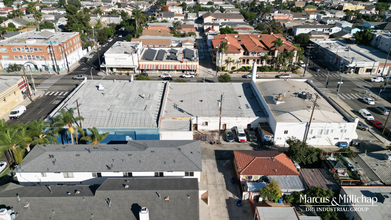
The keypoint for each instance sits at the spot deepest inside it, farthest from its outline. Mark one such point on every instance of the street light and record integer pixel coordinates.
(92, 78)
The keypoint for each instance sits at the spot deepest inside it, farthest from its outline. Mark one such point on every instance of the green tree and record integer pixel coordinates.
(31, 8)
(65, 118)
(272, 191)
(76, 3)
(128, 37)
(11, 25)
(302, 39)
(124, 15)
(37, 17)
(177, 25)
(8, 3)
(13, 138)
(15, 14)
(229, 61)
(227, 30)
(139, 18)
(184, 5)
(62, 2)
(249, 16)
(301, 152)
(278, 44)
(113, 12)
(95, 138)
(209, 3)
(275, 28)
(225, 78)
(222, 48)
(348, 152)
(222, 9)
(98, 11)
(381, 7)
(46, 25)
(363, 37)
(261, 27)
(118, 5)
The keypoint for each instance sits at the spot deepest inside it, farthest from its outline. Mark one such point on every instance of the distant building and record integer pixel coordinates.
(13, 90)
(307, 28)
(18, 22)
(222, 17)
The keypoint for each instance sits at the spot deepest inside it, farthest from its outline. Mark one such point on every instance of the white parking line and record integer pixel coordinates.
(65, 93)
(356, 95)
(47, 93)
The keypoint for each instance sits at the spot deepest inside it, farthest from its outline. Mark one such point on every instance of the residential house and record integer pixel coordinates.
(277, 16)
(18, 22)
(300, 4)
(176, 9)
(381, 41)
(343, 24)
(221, 17)
(329, 21)
(13, 91)
(169, 16)
(188, 28)
(111, 19)
(306, 28)
(161, 198)
(312, 15)
(151, 43)
(368, 10)
(245, 49)
(310, 8)
(70, 164)
(377, 25)
(320, 16)
(317, 34)
(299, 16)
(351, 7)
(8, 10)
(232, 10)
(191, 16)
(251, 166)
(179, 17)
(157, 33)
(342, 35)
(49, 10)
(387, 15)
(174, 41)
(351, 30)
(337, 14)
(48, 17)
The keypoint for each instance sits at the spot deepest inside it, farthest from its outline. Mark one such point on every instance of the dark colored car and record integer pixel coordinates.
(251, 136)
(229, 137)
(167, 78)
(382, 110)
(362, 126)
(83, 59)
(377, 124)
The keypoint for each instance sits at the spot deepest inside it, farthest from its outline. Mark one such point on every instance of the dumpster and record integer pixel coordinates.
(232, 180)
(239, 202)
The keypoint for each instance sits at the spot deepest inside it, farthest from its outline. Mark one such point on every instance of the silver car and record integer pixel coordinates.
(80, 76)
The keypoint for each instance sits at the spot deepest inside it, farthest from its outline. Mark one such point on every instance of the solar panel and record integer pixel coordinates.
(150, 54)
(188, 53)
(174, 51)
(172, 57)
(160, 55)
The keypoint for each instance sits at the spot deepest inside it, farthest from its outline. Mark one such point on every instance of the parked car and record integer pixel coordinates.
(3, 166)
(284, 76)
(342, 144)
(83, 60)
(120, 35)
(167, 78)
(369, 101)
(316, 68)
(249, 75)
(109, 40)
(355, 143)
(165, 75)
(188, 75)
(80, 76)
(362, 126)
(240, 134)
(366, 114)
(17, 111)
(229, 137)
(382, 110)
(377, 124)
(302, 64)
(252, 136)
(377, 79)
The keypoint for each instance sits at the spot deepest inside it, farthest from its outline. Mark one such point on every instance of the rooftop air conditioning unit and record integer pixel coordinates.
(144, 213)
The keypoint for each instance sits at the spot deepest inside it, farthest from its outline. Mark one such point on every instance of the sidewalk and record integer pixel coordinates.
(28, 73)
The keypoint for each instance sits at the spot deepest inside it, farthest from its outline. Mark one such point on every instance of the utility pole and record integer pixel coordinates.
(384, 129)
(27, 83)
(78, 111)
(308, 58)
(221, 108)
(309, 124)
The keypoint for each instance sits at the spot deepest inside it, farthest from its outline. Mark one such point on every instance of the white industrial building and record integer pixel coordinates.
(307, 28)
(123, 55)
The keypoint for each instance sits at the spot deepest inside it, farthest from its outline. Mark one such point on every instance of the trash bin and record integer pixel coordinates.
(280, 200)
(232, 180)
(239, 202)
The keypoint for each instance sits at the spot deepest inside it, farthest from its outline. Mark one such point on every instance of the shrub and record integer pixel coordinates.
(233, 68)
(141, 77)
(223, 68)
(288, 198)
(225, 78)
(218, 68)
(180, 80)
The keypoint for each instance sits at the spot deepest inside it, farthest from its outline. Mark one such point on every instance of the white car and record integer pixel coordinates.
(369, 101)
(187, 75)
(165, 75)
(120, 35)
(249, 75)
(377, 79)
(109, 40)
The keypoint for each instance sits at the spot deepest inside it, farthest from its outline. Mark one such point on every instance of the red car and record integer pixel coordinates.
(377, 124)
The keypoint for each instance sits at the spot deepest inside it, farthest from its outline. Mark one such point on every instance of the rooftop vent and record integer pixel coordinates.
(126, 186)
(167, 198)
(144, 213)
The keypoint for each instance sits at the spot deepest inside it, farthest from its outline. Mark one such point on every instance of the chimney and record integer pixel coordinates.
(144, 213)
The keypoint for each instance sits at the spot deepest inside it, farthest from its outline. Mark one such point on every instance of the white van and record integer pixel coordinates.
(366, 114)
(17, 111)
(241, 135)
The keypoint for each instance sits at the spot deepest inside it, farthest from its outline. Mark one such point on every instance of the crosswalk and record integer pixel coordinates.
(350, 96)
(56, 93)
(49, 82)
(324, 75)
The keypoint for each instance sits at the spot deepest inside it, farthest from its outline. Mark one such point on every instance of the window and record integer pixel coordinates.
(326, 131)
(93, 174)
(42, 58)
(18, 49)
(96, 174)
(205, 123)
(15, 57)
(43, 175)
(37, 57)
(39, 49)
(35, 49)
(13, 49)
(70, 42)
(24, 57)
(320, 131)
(68, 175)
(286, 132)
(3, 50)
(29, 57)
(22, 49)
(311, 131)
(189, 173)
(6, 57)
(128, 174)
(157, 174)
(21, 57)
(31, 50)
(27, 50)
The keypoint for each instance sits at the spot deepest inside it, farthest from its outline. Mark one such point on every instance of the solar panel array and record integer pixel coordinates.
(160, 55)
(150, 54)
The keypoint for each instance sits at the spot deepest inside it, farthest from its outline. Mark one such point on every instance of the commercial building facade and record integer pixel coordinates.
(13, 90)
(123, 56)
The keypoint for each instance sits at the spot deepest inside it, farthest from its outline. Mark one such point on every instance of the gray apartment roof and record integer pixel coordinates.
(314, 26)
(122, 104)
(40, 37)
(378, 164)
(92, 203)
(194, 99)
(277, 213)
(168, 14)
(296, 108)
(123, 48)
(379, 211)
(9, 34)
(20, 21)
(7, 82)
(289, 182)
(136, 156)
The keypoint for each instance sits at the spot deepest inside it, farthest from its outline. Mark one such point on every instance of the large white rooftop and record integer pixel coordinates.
(38, 38)
(122, 104)
(123, 48)
(202, 99)
(295, 108)
(7, 82)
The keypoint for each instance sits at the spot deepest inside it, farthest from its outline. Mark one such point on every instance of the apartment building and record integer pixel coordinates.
(245, 49)
(41, 50)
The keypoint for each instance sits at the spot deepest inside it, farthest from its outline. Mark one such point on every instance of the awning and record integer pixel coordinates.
(148, 66)
(165, 67)
(186, 67)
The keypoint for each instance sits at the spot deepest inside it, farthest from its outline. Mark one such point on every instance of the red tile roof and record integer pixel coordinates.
(264, 163)
(209, 29)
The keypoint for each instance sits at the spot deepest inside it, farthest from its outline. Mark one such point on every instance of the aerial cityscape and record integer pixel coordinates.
(195, 109)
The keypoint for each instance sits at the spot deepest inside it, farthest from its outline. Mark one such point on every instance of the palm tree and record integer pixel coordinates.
(266, 58)
(95, 138)
(38, 18)
(228, 61)
(278, 43)
(13, 137)
(98, 11)
(222, 48)
(65, 118)
(139, 17)
(113, 12)
(40, 133)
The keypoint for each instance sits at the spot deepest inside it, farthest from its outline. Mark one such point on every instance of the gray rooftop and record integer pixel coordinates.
(20, 21)
(39, 37)
(379, 211)
(277, 213)
(316, 26)
(135, 156)
(122, 104)
(7, 82)
(296, 108)
(92, 203)
(289, 182)
(195, 99)
(123, 48)
(164, 54)
(169, 124)
(379, 165)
